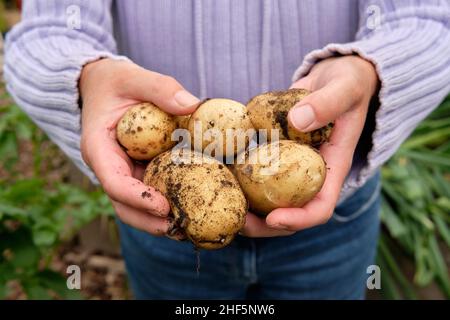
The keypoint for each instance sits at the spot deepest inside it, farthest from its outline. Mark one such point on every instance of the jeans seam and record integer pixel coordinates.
(362, 209)
(253, 267)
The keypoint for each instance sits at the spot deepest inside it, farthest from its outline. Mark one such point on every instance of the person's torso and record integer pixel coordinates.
(230, 48)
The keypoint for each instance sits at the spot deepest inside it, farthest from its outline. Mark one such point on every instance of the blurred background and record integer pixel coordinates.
(52, 217)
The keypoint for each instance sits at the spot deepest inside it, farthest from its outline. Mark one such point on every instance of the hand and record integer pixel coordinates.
(342, 88)
(108, 88)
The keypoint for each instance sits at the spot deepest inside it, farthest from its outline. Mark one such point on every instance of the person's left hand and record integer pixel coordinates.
(342, 88)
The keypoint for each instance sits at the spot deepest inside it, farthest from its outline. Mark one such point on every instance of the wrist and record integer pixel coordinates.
(88, 71)
(370, 75)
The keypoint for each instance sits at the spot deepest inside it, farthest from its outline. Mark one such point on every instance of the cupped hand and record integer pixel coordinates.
(342, 88)
(108, 88)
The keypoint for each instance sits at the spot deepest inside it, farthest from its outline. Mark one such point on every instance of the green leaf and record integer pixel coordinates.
(422, 218)
(391, 220)
(433, 124)
(427, 158)
(389, 288)
(443, 229)
(34, 291)
(443, 203)
(24, 190)
(24, 130)
(7, 272)
(443, 148)
(58, 284)
(443, 185)
(433, 137)
(412, 189)
(443, 111)
(424, 272)
(441, 268)
(44, 236)
(12, 211)
(25, 254)
(3, 291)
(390, 190)
(9, 150)
(396, 272)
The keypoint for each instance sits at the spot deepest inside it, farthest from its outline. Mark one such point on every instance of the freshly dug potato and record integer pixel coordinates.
(218, 115)
(291, 178)
(145, 131)
(182, 121)
(206, 200)
(314, 138)
(269, 111)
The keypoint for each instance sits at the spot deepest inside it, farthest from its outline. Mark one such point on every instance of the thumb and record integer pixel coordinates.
(162, 90)
(320, 107)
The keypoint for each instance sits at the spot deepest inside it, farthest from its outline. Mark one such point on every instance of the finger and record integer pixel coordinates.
(162, 90)
(303, 83)
(256, 227)
(141, 220)
(318, 211)
(175, 231)
(139, 170)
(338, 155)
(114, 171)
(322, 106)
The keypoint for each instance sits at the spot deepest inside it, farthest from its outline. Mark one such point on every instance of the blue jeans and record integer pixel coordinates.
(325, 262)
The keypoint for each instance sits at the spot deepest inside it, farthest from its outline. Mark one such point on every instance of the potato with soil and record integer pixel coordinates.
(269, 111)
(206, 200)
(145, 131)
(182, 121)
(280, 175)
(216, 116)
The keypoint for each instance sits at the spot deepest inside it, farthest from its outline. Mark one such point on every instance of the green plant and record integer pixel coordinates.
(33, 221)
(15, 127)
(36, 215)
(416, 206)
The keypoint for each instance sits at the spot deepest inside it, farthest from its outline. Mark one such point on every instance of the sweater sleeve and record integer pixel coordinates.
(44, 55)
(409, 44)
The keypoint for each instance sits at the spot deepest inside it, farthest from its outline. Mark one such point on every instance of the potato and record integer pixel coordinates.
(182, 121)
(218, 115)
(313, 138)
(145, 131)
(269, 111)
(291, 178)
(206, 200)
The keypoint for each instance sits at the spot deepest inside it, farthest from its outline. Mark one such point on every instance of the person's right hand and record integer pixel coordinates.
(108, 88)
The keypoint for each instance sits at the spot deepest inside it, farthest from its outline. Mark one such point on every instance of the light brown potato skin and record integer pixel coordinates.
(221, 114)
(145, 131)
(300, 176)
(269, 111)
(205, 198)
(182, 121)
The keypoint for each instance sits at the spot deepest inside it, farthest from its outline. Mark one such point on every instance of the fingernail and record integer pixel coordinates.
(160, 214)
(301, 117)
(279, 226)
(157, 213)
(185, 99)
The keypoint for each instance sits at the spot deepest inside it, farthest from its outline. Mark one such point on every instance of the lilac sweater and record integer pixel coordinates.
(234, 49)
